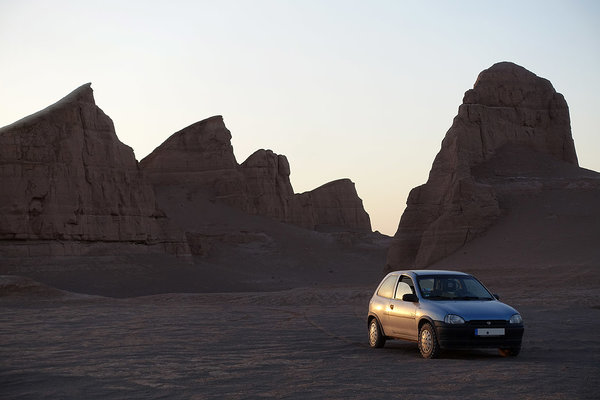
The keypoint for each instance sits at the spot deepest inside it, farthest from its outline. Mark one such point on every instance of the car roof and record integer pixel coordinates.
(421, 272)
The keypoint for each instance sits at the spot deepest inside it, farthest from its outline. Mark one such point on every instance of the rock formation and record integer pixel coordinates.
(65, 176)
(331, 207)
(268, 188)
(200, 158)
(509, 111)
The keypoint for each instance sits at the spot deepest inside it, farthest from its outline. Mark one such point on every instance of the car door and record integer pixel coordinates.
(401, 316)
(380, 304)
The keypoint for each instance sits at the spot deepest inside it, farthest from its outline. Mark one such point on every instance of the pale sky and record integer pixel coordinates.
(364, 90)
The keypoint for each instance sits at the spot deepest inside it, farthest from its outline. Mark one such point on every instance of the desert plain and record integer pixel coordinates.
(300, 343)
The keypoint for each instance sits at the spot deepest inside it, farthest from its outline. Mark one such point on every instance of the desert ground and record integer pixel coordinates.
(282, 314)
(299, 343)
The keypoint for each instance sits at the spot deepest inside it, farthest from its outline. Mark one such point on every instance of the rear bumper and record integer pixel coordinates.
(464, 337)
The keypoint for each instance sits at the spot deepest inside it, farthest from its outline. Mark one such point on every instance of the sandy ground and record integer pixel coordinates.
(297, 335)
(300, 343)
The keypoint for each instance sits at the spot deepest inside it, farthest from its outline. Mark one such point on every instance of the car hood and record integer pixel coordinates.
(475, 309)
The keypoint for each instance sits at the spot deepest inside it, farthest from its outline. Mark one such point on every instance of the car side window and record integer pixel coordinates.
(405, 286)
(387, 287)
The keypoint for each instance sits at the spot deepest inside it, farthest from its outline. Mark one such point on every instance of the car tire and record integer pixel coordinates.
(428, 344)
(510, 352)
(376, 338)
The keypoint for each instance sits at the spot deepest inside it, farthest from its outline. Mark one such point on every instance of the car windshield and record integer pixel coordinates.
(452, 287)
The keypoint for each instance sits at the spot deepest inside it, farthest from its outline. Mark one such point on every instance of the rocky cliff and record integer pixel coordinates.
(68, 183)
(268, 188)
(66, 177)
(200, 158)
(509, 114)
(334, 206)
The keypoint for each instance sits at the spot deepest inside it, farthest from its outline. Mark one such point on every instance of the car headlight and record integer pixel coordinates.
(516, 319)
(453, 319)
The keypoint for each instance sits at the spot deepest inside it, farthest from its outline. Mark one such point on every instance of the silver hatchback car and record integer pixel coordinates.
(442, 310)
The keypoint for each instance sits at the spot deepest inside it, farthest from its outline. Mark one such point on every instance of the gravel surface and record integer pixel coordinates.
(302, 343)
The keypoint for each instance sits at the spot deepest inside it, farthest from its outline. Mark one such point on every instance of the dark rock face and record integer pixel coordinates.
(200, 158)
(179, 153)
(66, 176)
(331, 207)
(509, 110)
(70, 187)
(268, 188)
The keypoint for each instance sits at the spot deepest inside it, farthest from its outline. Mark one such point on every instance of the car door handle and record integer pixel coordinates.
(391, 306)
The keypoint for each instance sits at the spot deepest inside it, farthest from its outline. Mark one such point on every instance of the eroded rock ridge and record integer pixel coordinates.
(66, 177)
(200, 158)
(509, 114)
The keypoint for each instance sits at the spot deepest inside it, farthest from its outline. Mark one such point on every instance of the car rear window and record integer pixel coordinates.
(387, 287)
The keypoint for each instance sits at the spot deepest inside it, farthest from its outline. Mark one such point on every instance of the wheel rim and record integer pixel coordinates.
(373, 333)
(426, 341)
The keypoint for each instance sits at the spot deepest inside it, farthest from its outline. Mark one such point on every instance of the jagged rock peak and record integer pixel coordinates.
(200, 133)
(205, 126)
(202, 146)
(268, 187)
(66, 176)
(200, 158)
(268, 159)
(510, 105)
(506, 84)
(332, 205)
(509, 109)
(339, 183)
(84, 94)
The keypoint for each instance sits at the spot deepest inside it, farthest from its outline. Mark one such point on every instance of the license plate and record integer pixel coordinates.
(489, 332)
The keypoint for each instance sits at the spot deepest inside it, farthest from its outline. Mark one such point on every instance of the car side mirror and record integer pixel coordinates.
(497, 296)
(410, 297)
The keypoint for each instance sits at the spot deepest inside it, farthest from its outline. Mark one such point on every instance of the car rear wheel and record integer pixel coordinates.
(511, 352)
(376, 338)
(428, 344)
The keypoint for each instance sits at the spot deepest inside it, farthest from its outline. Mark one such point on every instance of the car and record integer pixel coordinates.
(442, 310)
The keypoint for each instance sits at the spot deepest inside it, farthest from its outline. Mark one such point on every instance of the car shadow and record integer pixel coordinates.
(411, 350)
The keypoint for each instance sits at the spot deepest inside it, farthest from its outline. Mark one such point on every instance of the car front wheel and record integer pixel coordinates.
(428, 344)
(376, 338)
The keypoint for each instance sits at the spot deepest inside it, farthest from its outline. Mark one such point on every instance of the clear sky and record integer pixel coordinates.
(358, 89)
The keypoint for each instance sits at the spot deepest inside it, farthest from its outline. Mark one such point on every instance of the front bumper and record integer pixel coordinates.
(463, 336)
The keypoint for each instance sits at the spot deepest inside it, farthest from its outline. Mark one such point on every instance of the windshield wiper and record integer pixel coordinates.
(472, 298)
(439, 298)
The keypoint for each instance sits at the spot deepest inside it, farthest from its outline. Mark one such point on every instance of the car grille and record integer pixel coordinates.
(487, 323)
